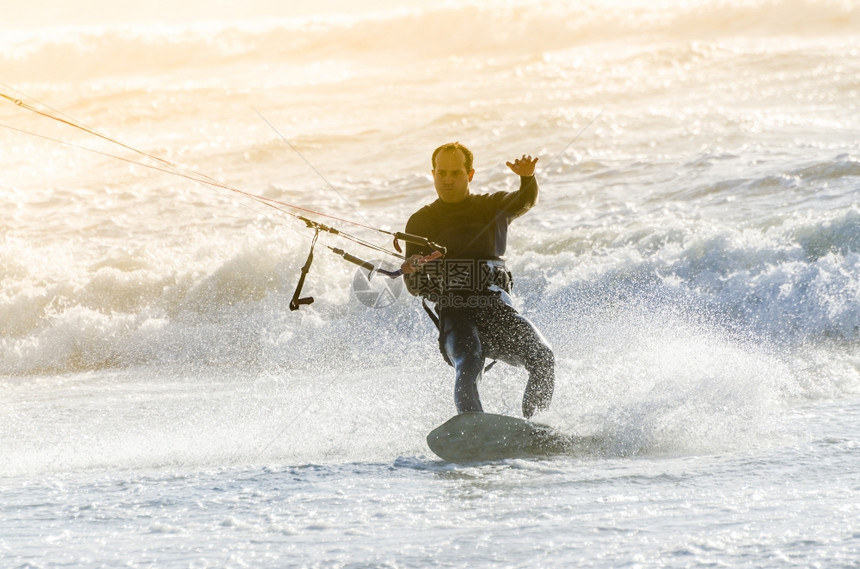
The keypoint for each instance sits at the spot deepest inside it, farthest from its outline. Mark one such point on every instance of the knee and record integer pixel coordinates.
(462, 351)
(542, 357)
(546, 355)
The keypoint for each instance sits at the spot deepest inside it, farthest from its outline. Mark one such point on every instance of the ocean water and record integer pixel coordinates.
(694, 260)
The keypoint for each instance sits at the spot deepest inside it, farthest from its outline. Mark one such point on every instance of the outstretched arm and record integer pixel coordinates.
(517, 203)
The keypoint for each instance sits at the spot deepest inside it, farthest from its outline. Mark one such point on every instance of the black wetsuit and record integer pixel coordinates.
(470, 290)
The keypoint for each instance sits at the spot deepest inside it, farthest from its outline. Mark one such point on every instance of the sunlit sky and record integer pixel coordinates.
(51, 13)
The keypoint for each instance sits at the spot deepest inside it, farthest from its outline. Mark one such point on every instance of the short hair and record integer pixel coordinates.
(467, 154)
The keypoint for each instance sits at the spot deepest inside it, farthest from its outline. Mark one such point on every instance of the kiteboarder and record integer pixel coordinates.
(470, 288)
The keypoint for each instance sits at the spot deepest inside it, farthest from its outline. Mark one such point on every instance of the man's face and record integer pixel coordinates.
(451, 177)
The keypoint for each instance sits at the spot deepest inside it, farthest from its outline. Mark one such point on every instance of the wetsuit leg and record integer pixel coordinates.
(462, 344)
(540, 364)
(514, 338)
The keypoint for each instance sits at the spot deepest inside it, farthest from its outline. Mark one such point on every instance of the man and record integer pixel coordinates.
(470, 286)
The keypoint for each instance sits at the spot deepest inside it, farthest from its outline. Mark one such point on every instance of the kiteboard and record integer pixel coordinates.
(479, 437)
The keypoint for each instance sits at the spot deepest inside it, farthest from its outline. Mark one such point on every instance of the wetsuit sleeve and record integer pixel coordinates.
(514, 204)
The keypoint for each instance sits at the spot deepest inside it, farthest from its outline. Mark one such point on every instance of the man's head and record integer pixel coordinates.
(452, 172)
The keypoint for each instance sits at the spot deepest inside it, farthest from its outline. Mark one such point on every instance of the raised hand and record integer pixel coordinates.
(524, 166)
